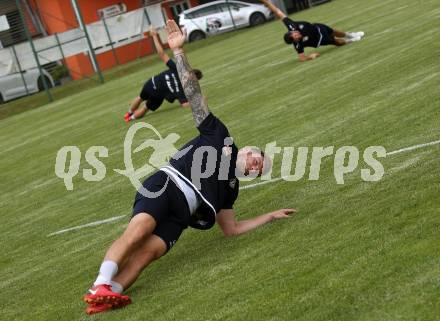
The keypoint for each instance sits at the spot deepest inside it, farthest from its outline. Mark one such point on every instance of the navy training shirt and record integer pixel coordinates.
(311, 36)
(221, 192)
(167, 84)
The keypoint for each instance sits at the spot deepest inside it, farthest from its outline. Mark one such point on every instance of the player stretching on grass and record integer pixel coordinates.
(304, 34)
(157, 222)
(165, 85)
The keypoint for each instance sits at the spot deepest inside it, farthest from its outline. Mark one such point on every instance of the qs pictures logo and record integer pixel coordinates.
(69, 158)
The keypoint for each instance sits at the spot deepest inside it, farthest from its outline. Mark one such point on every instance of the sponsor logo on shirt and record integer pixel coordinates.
(172, 84)
(176, 84)
(232, 183)
(170, 87)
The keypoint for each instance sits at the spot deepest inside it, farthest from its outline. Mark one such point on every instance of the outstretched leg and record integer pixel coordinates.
(152, 249)
(339, 33)
(340, 42)
(342, 38)
(136, 234)
(140, 112)
(347, 36)
(339, 37)
(140, 227)
(134, 109)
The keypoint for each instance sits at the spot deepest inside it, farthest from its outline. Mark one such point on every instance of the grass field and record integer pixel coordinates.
(358, 251)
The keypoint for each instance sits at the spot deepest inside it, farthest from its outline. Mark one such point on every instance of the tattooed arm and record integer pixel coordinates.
(187, 77)
(192, 89)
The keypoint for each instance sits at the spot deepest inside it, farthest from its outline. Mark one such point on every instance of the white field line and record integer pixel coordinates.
(418, 83)
(407, 149)
(111, 219)
(115, 218)
(260, 183)
(404, 165)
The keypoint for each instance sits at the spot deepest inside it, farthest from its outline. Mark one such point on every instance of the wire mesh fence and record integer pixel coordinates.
(41, 47)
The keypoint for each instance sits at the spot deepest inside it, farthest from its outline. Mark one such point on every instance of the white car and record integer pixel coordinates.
(12, 86)
(221, 16)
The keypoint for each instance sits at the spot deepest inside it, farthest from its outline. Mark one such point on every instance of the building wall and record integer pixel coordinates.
(55, 15)
(59, 16)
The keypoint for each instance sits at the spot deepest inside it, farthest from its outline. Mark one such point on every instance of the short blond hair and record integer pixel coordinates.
(242, 156)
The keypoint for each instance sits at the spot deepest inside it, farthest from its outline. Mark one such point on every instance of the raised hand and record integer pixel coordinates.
(274, 9)
(153, 31)
(190, 84)
(176, 38)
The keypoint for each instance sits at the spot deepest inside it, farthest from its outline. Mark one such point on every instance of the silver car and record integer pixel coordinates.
(221, 16)
(12, 86)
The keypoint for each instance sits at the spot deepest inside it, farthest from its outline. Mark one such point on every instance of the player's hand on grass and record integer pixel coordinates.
(283, 213)
(176, 38)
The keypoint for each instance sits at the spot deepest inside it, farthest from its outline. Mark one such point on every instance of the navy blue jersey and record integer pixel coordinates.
(221, 188)
(311, 35)
(167, 84)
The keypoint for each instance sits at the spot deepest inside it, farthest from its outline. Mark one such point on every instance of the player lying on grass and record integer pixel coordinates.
(304, 34)
(165, 85)
(157, 223)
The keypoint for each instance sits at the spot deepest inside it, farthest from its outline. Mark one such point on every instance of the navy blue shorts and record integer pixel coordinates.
(169, 209)
(327, 34)
(148, 94)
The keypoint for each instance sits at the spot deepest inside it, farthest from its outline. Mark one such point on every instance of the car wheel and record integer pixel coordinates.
(257, 18)
(41, 83)
(196, 35)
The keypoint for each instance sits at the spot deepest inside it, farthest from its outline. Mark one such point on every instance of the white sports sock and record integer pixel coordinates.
(350, 40)
(351, 35)
(117, 287)
(132, 117)
(107, 271)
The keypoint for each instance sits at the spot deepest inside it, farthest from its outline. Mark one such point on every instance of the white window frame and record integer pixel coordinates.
(4, 25)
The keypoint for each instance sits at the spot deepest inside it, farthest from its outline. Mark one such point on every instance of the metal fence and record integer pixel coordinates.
(33, 58)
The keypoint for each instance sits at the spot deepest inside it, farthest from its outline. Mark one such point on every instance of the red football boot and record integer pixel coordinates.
(103, 307)
(102, 293)
(98, 308)
(127, 117)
